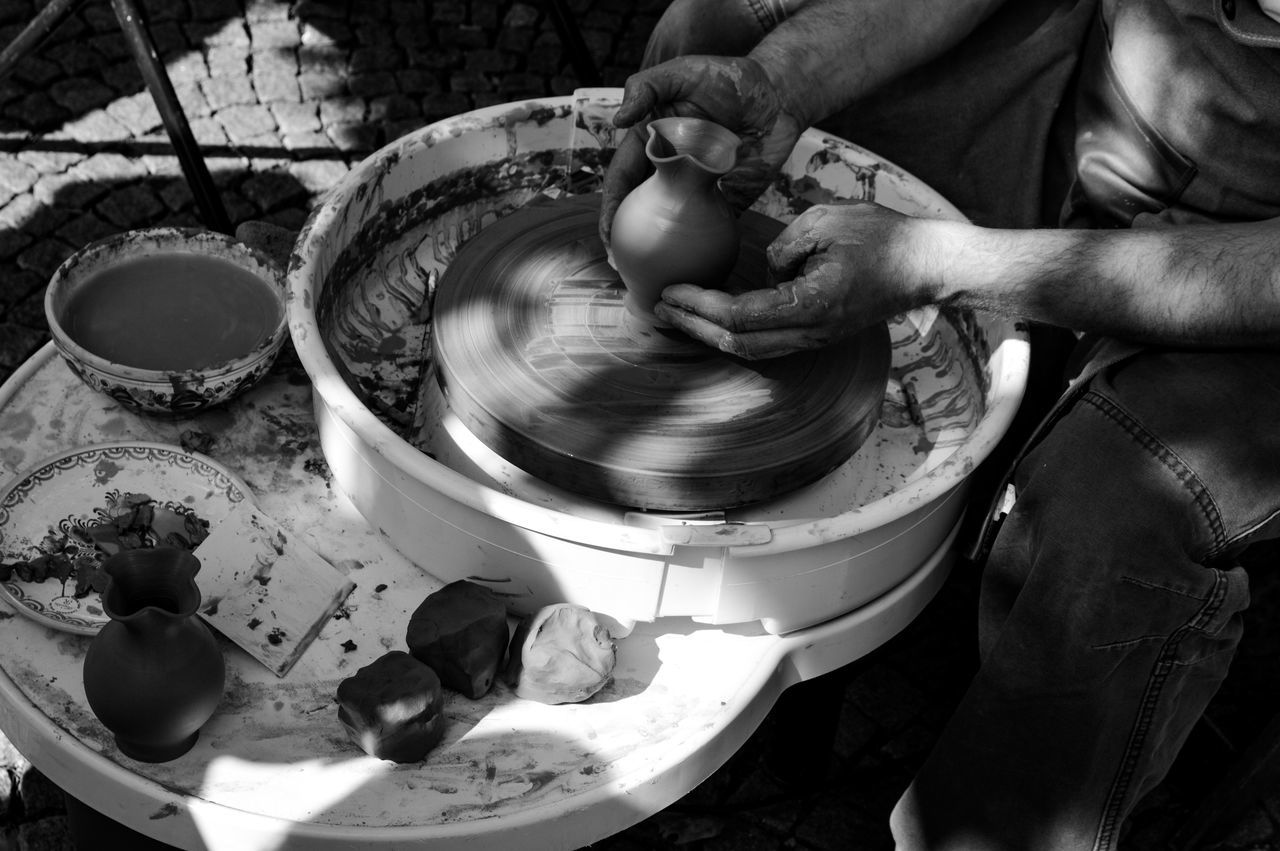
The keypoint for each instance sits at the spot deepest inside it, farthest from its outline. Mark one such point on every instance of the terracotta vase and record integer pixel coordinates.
(154, 674)
(676, 227)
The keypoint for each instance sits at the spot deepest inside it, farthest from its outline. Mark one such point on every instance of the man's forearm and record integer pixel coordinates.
(1197, 285)
(832, 52)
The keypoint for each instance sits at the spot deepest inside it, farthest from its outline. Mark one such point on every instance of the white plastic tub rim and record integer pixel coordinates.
(522, 146)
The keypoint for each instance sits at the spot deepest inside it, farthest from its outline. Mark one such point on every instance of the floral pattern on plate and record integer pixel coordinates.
(69, 492)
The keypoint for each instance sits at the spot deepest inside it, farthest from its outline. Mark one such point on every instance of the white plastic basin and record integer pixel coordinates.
(359, 313)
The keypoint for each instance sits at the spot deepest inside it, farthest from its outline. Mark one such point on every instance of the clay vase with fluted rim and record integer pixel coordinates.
(154, 673)
(677, 227)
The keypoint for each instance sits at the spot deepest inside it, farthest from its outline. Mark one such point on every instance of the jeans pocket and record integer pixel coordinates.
(1124, 166)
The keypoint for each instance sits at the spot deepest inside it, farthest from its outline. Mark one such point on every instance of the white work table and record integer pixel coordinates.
(274, 768)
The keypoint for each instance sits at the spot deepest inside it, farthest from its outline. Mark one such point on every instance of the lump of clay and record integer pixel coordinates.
(461, 632)
(392, 708)
(562, 654)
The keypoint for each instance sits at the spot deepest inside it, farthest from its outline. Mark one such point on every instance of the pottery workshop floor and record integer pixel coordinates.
(284, 97)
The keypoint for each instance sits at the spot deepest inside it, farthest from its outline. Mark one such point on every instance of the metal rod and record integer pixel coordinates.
(138, 37)
(33, 35)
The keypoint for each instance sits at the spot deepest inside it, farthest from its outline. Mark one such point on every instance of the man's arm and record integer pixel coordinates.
(829, 53)
(1193, 285)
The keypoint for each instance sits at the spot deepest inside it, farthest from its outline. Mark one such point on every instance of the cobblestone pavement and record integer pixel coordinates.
(284, 97)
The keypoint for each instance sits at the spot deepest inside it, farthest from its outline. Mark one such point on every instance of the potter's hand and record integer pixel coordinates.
(733, 92)
(842, 267)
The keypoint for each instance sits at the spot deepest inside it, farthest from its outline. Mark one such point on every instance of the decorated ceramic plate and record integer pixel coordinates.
(61, 519)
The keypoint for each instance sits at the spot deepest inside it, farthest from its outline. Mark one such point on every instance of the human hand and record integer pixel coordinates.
(841, 267)
(733, 92)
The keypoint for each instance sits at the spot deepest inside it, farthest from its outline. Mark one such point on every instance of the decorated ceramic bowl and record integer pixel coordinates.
(168, 321)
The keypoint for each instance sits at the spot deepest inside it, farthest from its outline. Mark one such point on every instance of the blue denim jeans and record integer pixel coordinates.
(1110, 604)
(1111, 600)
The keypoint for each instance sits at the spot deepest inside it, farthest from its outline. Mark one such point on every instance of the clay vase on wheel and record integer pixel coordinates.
(154, 674)
(677, 227)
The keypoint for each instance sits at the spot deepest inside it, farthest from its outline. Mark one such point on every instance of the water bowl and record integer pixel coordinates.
(167, 321)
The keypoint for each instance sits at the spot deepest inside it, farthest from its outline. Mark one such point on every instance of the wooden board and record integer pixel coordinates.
(264, 589)
(537, 355)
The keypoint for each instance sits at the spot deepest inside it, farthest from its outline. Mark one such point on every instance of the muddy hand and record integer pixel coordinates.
(733, 92)
(841, 268)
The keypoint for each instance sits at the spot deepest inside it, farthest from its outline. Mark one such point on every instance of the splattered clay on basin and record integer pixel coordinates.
(361, 311)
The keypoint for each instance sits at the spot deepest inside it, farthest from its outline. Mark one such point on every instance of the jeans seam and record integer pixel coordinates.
(1164, 666)
(763, 18)
(1172, 461)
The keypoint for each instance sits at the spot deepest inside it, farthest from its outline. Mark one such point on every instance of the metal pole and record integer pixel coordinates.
(138, 37)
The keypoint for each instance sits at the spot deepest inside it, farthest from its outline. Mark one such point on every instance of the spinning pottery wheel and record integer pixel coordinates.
(379, 272)
(539, 358)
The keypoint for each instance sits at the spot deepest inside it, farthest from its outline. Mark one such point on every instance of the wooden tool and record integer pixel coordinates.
(539, 358)
(264, 589)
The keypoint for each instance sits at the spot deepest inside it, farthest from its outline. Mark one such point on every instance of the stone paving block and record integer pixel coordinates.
(308, 141)
(318, 175)
(464, 36)
(219, 60)
(18, 342)
(448, 12)
(74, 59)
(445, 104)
(469, 82)
(373, 33)
(330, 35)
(265, 11)
(191, 99)
(96, 126)
(37, 71)
(129, 206)
(17, 176)
(273, 89)
(318, 85)
(229, 90)
(84, 229)
(489, 61)
(418, 82)
(209, 132)
(170, 40)
(70, 190)
(365, 60)
(44, 256)
(517, 41)
(353, 137)
(434, 58)
(36, 111)
(242, 123)
(271, 190)
(214, 10)
(372, 84)
(12, 241)
(274, 34)
(521, 15)
(394, 107)
(136, 112)
(175, 194)
(343, 109)
(238, 208)
(296, 117)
